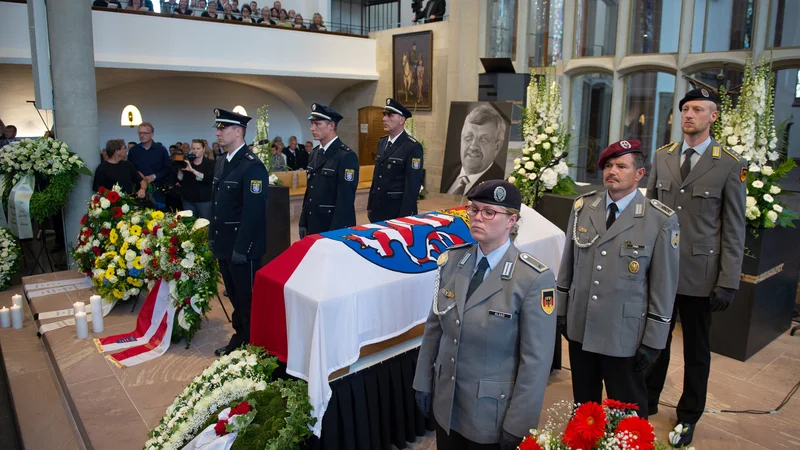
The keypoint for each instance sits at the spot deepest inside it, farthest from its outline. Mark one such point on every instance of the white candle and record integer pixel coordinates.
(97, 313)
(17, 299)
(81, 325)
(16, 316)
(5, 317)
(79, 307)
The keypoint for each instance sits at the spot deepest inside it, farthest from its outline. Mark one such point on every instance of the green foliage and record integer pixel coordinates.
(49, 201)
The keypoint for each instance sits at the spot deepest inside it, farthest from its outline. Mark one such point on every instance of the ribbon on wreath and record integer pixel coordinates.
(19, 207)
(152, 335)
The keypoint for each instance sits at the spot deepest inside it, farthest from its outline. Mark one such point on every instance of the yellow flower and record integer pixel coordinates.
(123, 249)
(113, 236)
(131, 281)
(151, 224)
(136, 230)
(137, 264)
(120, 225)
(140, 243)
(116, 293)
(110, 272)
(109, 254)
(157, 215)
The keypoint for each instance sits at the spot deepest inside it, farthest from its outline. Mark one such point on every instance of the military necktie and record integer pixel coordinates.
(612, 215)
(483, 265)
(460, 189)
(686, 167)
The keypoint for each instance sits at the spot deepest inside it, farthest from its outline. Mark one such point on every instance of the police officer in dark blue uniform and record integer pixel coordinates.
(237, 231)
(398, 168)
(329, 201)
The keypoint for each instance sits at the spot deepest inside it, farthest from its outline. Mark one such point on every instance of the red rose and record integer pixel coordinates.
(639, 431)
(614, 404)
(84, 219)
(112, 196)
(97, 251)
(105, 232)
(155, 229)
(529, 443)
(219, 428)
(95, 199)
(173, 260)
(102, 190)
(176, 275)
(173, 224)
(148, 251)
(173, 240)
(116, 212)
(188, 300)
(88, 233)
(241, 408)
(145, 231)
(172, 250)
(178, 217)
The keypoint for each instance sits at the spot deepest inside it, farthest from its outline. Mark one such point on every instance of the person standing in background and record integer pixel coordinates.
(196, 179)
(152, 161)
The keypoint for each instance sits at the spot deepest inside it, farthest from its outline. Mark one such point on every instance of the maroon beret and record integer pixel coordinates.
(618, 149)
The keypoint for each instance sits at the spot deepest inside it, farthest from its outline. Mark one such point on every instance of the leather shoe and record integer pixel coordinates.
(221, 351)
(684, 438)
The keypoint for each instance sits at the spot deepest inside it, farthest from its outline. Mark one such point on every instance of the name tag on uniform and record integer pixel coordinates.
(499, 314)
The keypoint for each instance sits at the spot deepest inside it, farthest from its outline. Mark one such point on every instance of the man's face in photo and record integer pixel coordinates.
(479, 146)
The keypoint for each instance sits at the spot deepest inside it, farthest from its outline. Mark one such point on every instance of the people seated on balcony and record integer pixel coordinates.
(107, 4)
(291, 15)
(254, 10)
(317, 23)
(283, 19)
(432, 12)
(235, 6)
(265, 17)
(298, 22)
(229, 13)
(116, 170)
(277, 6)
(183, 8)
(199, 6)
(278, 159)
(137, 5)
(212, 11)
(273, 15)
(246, 15)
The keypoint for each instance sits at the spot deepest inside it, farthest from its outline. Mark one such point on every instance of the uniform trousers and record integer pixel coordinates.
(695, 313)
(590, 370)
(238, 279)
(455, 441)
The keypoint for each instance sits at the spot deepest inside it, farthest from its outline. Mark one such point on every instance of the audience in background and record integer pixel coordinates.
(131, 144)
(116, 170)
(216, 149)
(265, 14)
(277, 5)
(152, 160)
(229, 13)
(317, 23)
(201, 5)
(235, 6)
(254, 8)
(277, 158)
(273, 15)
(197, 177)
(246, 15)
(298, 22)
(283, 19)
(183, 8)
(137, 5)
(291, 15)
(212, 11)
(294, 155)
(11, 133)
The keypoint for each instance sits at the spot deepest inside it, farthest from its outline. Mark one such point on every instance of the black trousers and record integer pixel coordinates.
(695, 313)
(591, 370)
(238, 279)
(455, 441)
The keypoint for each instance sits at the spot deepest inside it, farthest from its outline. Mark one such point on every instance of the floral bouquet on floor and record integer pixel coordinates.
(176, 250)
(612, 425)
(10, 255)
(749, 129)
(542, 167)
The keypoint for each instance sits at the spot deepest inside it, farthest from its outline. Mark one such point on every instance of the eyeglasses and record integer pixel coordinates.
(486, 213)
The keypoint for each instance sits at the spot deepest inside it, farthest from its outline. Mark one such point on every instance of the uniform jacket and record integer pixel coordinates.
(302, 158)
(396, 180)
(710, 205)
(329, 201)
(293, 161)
(619, 292)
(487, 360)
(239, 197)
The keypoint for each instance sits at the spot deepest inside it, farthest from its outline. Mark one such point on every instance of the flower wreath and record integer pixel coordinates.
(10, 254)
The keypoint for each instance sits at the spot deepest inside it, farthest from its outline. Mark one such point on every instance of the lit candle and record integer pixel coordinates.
(5, 318)
(97, 313)
(17, 299)
(16, 316)
(79, 307)
(81, 325)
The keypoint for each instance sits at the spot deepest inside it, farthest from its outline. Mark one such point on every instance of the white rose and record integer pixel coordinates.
(546, 146)
(125, 209)
(733, 140)
(774, 190)
(750, 202)
(548, 130)
(554, 139)
(767, 170)
(104, 203)
(526, 151)
(532, 176)
(517, 161)
(772, 216)
(529, 165)
(517, 166)
(768, 198)
(512, 180)
(758, 184)
(536, 157)
(777, 208)
(728, 130)
(521, 171)
(550, 178)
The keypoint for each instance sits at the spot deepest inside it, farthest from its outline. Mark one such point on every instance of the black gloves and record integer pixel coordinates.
(238, 258)
(303, 232)
(561, 325)
(645, 357)
(423, 402)
(509, 441)
(721, 298)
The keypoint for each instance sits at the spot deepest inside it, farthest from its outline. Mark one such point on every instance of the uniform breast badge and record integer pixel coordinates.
(633, 267)
(548, 301)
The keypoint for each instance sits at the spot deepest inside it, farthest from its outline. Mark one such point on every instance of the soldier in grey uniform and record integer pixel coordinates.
(488, 344)
(616, 285)
(704, 183)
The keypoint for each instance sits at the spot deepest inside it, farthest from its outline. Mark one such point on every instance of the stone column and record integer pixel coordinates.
(684, 50)
(618, 92)
(75, 97)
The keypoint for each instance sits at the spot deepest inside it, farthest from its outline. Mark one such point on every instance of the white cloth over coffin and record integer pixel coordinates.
(337, 302)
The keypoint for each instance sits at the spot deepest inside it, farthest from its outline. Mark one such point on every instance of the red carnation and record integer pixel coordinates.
(219, 428)
(148, 251)
(84, 219)
(178, 217)
(615, 404)
(145, 231)
(173, 240)
(88, 233)
(113, 196)
(116, 212)
(529, 443)
(97, 251)
(102, 190)
(172, 250)
(155, 229)
(590, 422)
(176, 275)
(241, 408)
(639, 430)
(173, 260)
(105, 232)
(173, 224)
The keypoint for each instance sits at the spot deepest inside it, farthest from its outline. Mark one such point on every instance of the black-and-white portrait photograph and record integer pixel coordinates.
(476, 146)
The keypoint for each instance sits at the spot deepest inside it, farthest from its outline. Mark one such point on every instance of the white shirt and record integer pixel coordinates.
(493, 257)
(391, 140)
(231, 155)
(621, 203)
(698, 151)
(325, 148)
(471, 179)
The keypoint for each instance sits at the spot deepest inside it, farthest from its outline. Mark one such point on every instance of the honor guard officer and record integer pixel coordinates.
(398, 168)
(329, 201)
(704, 183)
(488, 345)
(616, 285)
(237, 232)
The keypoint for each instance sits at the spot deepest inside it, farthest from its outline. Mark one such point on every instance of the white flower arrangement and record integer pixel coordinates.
(10, 254)
(749, 129)
(541, 167)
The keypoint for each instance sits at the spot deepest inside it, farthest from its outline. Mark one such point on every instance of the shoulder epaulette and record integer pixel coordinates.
(732, 153)
(671, 146)
(411, 138)
(457, 246)
(533, 262)
(662, 207)
(250, 156)
(578, 203)
(442, 259)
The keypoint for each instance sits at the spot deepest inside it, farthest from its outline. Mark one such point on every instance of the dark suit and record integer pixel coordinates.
(495, 172)
(238, 225)
(302, 158)
(329, 201)
(291, 159)
(433, 8)
(396, 179)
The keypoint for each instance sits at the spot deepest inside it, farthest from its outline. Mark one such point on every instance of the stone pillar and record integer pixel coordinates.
(75, 97)
(618, 92)
(684, 50)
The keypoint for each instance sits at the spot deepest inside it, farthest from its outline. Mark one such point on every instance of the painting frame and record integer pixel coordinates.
(403, 87)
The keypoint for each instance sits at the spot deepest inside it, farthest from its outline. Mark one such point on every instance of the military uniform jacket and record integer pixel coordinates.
(710, 205)
(239, 195)
(329, 201)
(487, 360)
(618, 292)
(396, 180)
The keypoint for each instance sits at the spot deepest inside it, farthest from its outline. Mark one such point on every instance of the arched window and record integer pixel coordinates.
(590, 113)
(545, 32)
(655, 26)
(783, 29)
(647, 115)
(722, 25)
(596, 25)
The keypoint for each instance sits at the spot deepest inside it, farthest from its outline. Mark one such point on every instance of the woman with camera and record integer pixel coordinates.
(196, 179)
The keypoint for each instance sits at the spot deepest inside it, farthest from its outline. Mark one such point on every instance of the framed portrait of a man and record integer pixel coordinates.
(476, 145)
(412, 64)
